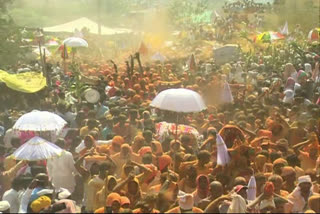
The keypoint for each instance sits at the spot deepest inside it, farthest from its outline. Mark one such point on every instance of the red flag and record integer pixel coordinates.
(64, 52)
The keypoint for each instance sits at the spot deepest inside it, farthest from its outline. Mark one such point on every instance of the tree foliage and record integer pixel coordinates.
(10, 37)
(180, 11)
(303, 12)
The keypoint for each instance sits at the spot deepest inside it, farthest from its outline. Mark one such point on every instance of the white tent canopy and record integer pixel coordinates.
(84, 22)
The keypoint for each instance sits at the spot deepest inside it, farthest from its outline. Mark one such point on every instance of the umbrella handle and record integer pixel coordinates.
(177, 122)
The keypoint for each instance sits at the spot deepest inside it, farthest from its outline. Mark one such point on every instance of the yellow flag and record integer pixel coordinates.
(28, 82)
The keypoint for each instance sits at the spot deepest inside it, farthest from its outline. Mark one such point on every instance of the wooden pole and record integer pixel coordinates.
(40, 51)
(44, 68)
(64, 58)
(177, 124)
(73, 53)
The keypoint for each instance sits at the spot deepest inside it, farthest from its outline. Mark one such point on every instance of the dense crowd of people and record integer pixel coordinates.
(263, 109)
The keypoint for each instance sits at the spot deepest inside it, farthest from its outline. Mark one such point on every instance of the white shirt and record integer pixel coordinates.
(12, 196)
(25, 197)
(61, 171)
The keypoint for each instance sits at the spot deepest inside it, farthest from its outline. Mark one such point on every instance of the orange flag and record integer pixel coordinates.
(143, 50)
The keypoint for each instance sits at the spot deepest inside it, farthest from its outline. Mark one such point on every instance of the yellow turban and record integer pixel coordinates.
(41, 203)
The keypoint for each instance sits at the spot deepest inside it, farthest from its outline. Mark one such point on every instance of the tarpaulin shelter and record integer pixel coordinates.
(29, 82)
(84, 22)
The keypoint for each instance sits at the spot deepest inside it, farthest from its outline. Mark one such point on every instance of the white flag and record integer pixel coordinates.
(252, 189)
(285, 29)
(222, 152)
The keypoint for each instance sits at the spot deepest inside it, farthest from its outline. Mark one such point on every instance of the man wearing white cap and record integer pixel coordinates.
(64, 197)
(4, 207)
(186, 205)
(298, 199)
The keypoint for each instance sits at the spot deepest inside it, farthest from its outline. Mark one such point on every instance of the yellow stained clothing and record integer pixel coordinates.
(102, 194)
(6, 177)
(94, 186)
(84, 131)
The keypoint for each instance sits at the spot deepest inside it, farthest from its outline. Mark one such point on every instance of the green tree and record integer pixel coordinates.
(181, 11)
(10, 37)
(303, 12)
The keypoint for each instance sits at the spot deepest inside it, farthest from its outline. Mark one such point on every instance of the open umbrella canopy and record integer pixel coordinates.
(269, 36)
(40, 121)
(35, 149)
(179, 100)
(314, 35)
(75, 42)
(158, 57)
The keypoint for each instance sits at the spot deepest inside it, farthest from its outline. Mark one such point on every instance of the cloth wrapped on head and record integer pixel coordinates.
(117, 140)
(280, 161)
(164, 161)
(287, 170)
(40, 203)
(124, 200)
(4, 206)
(112, 197)
(304, 179)
(144, 150)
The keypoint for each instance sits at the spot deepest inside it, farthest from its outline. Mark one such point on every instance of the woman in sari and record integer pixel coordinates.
(202, 190)
(110, 183)
(130, 187)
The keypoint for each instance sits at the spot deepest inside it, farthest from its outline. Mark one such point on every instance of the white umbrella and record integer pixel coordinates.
(40, 121)
(35, 149)
(179, 100)
(75, 42)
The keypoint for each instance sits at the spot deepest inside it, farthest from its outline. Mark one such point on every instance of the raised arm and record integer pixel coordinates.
(82, 170)
(299, 146)
(214, 204)
(114, 66)
(146, 172)
(256, 201)
(114, 165)
(13, 171)
(121, 184)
